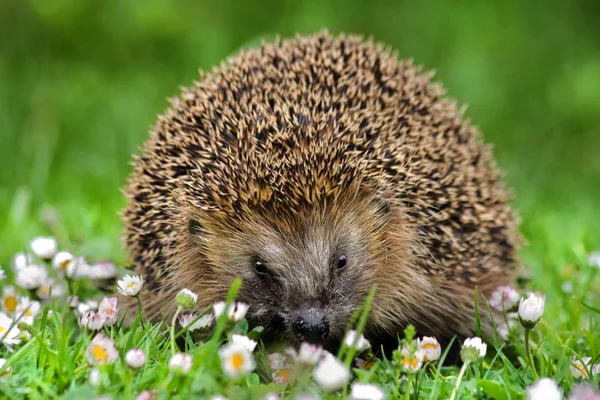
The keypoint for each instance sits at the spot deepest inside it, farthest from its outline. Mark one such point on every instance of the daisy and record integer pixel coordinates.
(430, 348)
(9, 299)
(204, 322)
(504, 298)
(101, 351)
(108, 310)
(531, 310)
(358, 343)
(186, 298)
(31, 276)
(50, 288)
(27, 310)
(20, 260)
(473, 349)
(77, 268)
(544, 389)
(411, 361)
(309, 354)
(2, 274)
(282, 371)
(366, 391)
(331, 374)
(135, 358)
(44, 247)
(130, 285)
(580, 369)
(91, 320)
(61, 261)
(245, 341)
(8, 331)
(236, 360)
(88, 305)
(181, 362)
(235, 312)
(103, 270)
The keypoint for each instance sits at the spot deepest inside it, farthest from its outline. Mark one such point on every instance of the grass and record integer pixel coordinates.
(82, 81)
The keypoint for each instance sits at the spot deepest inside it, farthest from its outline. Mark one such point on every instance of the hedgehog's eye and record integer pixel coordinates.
(340, 263)
(260, 268)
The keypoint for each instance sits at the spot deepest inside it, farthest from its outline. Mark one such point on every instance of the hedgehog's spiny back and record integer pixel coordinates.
(294, 122)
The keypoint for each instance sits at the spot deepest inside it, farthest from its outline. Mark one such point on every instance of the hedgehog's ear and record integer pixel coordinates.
(381, 208)
(196, 228)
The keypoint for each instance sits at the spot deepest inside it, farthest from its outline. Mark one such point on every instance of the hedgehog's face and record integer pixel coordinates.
(303, 274)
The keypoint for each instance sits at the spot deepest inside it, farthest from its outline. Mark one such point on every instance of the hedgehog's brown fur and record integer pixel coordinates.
(302, 145)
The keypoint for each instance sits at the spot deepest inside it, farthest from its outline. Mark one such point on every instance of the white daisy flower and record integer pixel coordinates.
(245, 341)
(181, 363)
(584, 392)
(27, 310)
(411, 360)
(473, 349)
(2, 274)
(580, 369)
(504, 328)
(366, 391)
(236, 360)
(130, 285)
(309, 354)
(101, 351)
(282, 371)
(203, 322)
(430, 348)
(235, 312)
(544, 389)
(108, 310)
(271, 396)
(103, 270)
(94, 377)
(594, 259)
(91, 320)
(6, 371)
(44, 247)
(20, 260)
(186, 298)
(61, 261)
(51, 288)
(531, 310)
(135, 358)
(8, 332)
(32, 276)
(504, 298)
(88, 305)
(331, 374)
(10, 300)
(77, 268)
(359, 344)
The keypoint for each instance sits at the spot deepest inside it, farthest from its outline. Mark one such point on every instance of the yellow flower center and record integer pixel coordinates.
(428, 346)
(2, 329)
(63, 265)
(28, 313)
(10, 303)
(237, 360)
(413, 362)
(99, 353)
(284, 374)
(44, 289)
(131, 285)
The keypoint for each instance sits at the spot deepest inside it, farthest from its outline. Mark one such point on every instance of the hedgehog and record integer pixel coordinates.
(314, 168)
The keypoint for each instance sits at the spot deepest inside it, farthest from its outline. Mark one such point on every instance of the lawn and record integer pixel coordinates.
(82, 82)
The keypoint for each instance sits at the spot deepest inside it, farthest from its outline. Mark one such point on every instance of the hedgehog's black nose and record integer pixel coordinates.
(312, 326)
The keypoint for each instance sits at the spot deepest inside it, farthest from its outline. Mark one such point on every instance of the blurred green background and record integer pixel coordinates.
(81, 82)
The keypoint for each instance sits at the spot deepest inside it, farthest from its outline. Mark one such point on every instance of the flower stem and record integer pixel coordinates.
(408, 385)
(529, 357)
(140, 311)
(177, 312)
(459, 379)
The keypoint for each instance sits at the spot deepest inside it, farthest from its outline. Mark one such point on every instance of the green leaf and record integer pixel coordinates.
(241, 328)
(496, 391)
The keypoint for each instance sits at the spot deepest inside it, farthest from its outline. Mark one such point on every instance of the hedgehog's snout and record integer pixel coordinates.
(311, 325)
